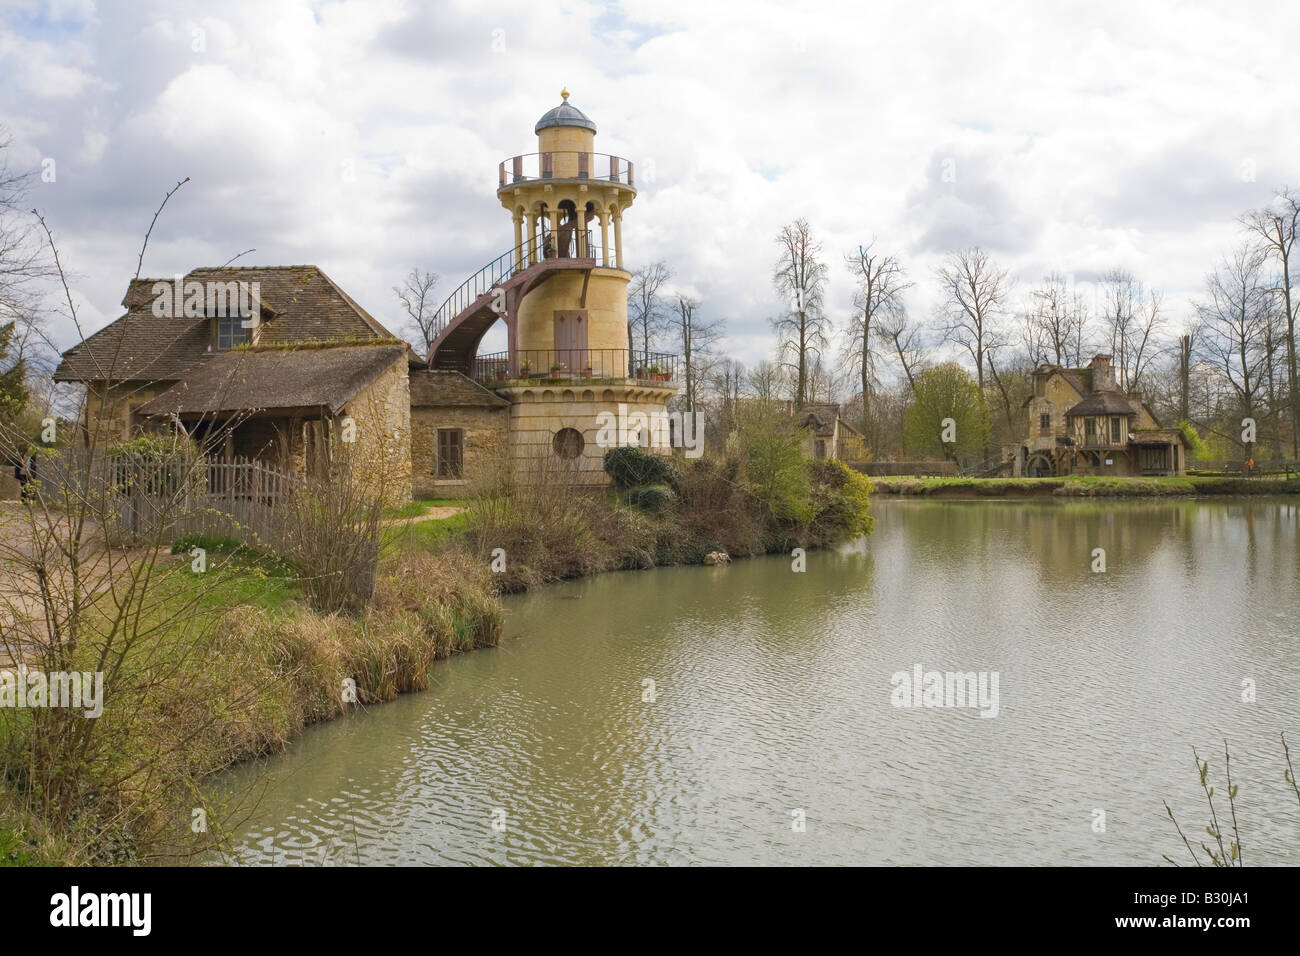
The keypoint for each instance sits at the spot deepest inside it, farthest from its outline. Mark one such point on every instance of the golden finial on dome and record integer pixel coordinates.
(565, 92)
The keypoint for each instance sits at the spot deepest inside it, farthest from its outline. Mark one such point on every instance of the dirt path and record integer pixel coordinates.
(19, 589)
(433, 514)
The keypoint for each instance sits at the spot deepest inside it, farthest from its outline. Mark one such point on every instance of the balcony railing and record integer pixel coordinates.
(569, 365)
(566, 165)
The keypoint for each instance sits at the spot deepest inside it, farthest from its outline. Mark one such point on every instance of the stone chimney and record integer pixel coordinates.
(1103, 374)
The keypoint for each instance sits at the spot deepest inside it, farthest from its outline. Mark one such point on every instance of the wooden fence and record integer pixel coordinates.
(142, 497)
(148, 500)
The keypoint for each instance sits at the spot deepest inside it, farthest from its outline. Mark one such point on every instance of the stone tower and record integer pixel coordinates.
(561, 291)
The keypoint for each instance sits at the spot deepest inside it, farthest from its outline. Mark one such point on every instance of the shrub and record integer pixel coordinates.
(778, 474)
(655, 499)
(628, 467)
(844, 501)
(1196, 447)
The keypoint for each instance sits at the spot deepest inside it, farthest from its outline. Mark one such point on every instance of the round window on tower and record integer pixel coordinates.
(568, 443)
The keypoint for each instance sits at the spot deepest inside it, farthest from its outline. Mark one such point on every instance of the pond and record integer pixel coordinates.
(752, 714)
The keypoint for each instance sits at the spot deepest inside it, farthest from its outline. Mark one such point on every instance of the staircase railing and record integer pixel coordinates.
(507, 264)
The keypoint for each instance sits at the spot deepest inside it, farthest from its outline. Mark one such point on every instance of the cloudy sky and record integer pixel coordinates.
(1074, 138)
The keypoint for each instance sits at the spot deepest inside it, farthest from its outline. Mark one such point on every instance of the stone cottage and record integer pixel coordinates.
(1081, 423)
(264, 364)
(829, 435)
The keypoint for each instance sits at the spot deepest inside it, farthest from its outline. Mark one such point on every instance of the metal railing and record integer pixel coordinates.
(566, 165)
(569, 244)
(567, 365)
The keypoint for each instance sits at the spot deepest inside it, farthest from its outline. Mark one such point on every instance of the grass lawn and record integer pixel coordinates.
(423, 535)
(420, 506)
(1085, 486)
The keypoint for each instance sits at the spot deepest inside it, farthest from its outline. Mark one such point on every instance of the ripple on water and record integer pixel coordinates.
(772, 695)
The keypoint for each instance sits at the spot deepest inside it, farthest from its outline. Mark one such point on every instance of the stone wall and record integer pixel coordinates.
(485, 432)
(381, 414)
(109, 408)
(538, 413)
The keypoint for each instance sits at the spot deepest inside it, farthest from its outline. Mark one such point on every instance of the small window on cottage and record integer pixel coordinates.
(451, 452)
(1045, 422)
(231, 331)
(1090, 427)
(1116, 427)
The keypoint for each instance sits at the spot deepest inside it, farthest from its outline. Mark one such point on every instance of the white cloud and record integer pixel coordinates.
(1084, 136)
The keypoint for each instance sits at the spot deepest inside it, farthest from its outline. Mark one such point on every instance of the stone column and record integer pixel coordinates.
(519, 241)
(532, 238)
(604, 237)
(618, 237)
(555, 229)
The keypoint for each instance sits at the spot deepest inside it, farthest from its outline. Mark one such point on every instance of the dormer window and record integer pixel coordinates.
(232, 332)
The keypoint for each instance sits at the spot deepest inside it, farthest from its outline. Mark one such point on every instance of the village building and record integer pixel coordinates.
(1081, 423)
(281, 363)
(273, 385)
(828, 435)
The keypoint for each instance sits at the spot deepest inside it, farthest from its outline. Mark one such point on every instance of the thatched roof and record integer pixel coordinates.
(300, 303)
(1103, 403)
(444, 387)
(821, 419)
(258, 380)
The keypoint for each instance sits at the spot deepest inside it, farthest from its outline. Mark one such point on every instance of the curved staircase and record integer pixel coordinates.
(494, 292)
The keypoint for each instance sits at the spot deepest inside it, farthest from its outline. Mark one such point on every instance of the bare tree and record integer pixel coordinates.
(823, 383)
(727, 377)
(1277, 226)
(1186, 347)
(1132, 318)
(974, 293)
(647, 317)
(417, 297)
(697, 337)
(1056, 323)
(903, 339)
(881, 283)
(24, 266)
(800, 278)
(765, 381)
(1234, 316)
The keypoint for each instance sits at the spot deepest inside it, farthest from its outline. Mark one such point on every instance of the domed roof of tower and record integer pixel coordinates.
(565, 115)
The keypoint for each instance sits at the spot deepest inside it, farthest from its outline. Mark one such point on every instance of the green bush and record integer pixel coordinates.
(628, 467)
(843, 500)
(654, 499)
(1196, 447)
